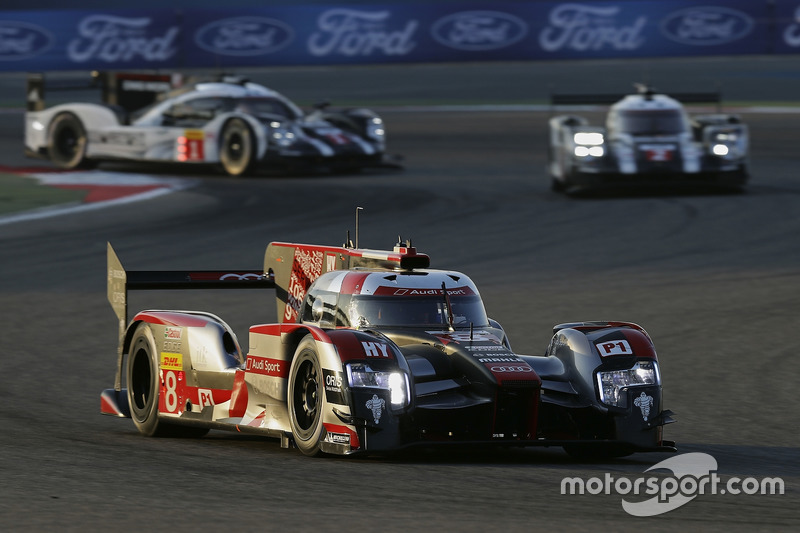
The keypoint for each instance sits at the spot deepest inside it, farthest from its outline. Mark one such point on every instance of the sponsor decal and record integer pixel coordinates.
(244, 36)
(376, 405)
(337, 438)
(479, 30)
(118, 138)
(391, 291)
(620, 347)
(644, 402)
(266, 366)
(173, 333)
(352, 32)
(375, 349)
(706, 25)
(240, 277)
(491, 348)
(505, 358)
(590, 28)
(171, 361)
(115, 39)
(20, 40)
(502, 369)
(306, 267)
(333, 387)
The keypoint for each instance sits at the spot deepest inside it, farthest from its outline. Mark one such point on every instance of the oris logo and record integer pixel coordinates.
(479, 30)
(20, 40)
(499, 369)
(244, 36)
(706, 26)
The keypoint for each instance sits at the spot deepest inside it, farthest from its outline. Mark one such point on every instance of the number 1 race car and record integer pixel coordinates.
(376, 352)
(230, 122)
(648, 140)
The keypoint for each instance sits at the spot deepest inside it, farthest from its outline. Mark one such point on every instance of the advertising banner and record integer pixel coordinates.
(323, 34)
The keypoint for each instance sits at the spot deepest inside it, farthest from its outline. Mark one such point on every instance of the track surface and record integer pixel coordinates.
(715, 279)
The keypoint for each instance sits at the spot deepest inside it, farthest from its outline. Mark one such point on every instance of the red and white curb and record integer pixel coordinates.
(103, 189)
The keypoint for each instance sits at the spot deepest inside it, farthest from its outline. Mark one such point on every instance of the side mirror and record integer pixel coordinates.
(317, 309)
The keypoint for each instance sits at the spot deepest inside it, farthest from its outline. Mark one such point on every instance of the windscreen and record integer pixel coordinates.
(652, 121)
(366, 311)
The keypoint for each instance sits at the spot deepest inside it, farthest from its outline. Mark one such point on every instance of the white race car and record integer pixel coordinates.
(648, 140)
(230, 122)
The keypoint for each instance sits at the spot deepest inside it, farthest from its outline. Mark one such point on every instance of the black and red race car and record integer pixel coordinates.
(375, 352)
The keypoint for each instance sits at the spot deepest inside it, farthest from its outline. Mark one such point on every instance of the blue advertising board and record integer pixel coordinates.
(325, 34)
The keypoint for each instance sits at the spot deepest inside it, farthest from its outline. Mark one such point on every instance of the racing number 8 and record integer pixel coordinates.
(171, 396)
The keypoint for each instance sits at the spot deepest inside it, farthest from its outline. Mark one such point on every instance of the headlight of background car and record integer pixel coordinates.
(281, 133)
(588, 143)
(610, 383)
(722, 143)
(360, 375)
(375, 128)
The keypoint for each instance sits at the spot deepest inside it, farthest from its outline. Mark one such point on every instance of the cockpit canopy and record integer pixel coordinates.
(393, 299)
(647, 115)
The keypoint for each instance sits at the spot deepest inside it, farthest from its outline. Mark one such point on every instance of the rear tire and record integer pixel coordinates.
(144, 387)
(66, 143)
(306, 397)
(237, 150)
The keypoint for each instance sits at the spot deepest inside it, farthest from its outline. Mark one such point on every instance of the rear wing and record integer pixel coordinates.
(120, 281)
(129, 90)
(612, 98)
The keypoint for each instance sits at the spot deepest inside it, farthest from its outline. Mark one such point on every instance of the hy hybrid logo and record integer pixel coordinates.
(693, 474)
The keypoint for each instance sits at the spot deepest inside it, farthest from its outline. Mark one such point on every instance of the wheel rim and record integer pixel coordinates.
(306, 397)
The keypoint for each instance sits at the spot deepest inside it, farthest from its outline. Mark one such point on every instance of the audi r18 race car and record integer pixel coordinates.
(229, 122)
(648, 140)
(375, 352)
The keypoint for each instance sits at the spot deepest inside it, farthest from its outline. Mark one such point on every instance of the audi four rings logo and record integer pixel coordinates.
(240, 277)
(501, 369)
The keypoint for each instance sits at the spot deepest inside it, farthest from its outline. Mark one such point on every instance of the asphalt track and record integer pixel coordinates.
(714, 278)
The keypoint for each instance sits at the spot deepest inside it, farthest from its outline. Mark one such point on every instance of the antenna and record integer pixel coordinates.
(358, 209)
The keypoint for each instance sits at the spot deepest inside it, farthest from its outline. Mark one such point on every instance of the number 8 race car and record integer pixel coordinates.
(230, 122)
(648, 140)
(376, 352)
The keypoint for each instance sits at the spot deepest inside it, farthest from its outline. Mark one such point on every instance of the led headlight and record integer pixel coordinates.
(361, 375)
(281, 134)
(611, 383)
(588, 143)
(375, 128)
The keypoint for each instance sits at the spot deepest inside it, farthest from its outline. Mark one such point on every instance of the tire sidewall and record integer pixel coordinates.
(61, 123)
(142, 353)
(307, 441)
(240, 127)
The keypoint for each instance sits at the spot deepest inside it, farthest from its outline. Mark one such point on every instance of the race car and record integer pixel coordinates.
(376, 352)
(230, 122)
(649, 140)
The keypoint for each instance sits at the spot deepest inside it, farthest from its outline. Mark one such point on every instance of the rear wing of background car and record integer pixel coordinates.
(576, 99)
(128, 90)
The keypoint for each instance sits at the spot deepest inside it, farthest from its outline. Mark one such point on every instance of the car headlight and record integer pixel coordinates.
(282, 134)
(375, 128)
(588, 143)
(361, 375)
(611, 383)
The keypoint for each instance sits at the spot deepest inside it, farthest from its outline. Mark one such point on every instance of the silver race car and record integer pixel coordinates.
(229, 122)
(648, 140)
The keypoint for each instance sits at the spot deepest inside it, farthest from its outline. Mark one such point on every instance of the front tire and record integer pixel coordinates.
(66, 144)
(237, 150)
(306, 397)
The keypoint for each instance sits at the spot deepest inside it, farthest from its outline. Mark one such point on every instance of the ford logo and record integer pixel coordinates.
(20, 40)
(244, 36)
(479, 30)
(705, 26)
